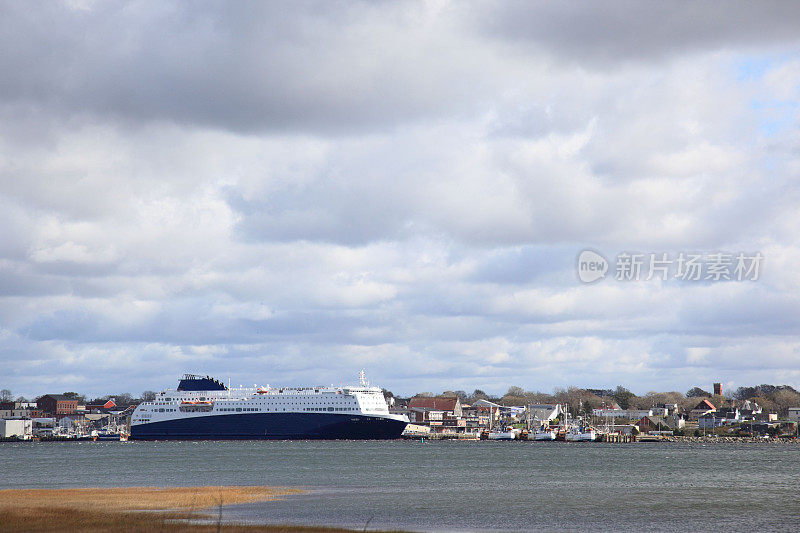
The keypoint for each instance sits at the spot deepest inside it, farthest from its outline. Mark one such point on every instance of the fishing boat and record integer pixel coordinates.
(507, 434)
(577, 433)
(544, 434)
(106, 435)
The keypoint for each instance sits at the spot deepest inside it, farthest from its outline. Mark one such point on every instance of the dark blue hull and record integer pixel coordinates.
(270, 426)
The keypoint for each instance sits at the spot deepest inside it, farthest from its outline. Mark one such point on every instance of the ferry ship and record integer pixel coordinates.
(204, 408)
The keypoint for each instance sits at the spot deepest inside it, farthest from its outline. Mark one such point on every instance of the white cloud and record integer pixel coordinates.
(291, 193)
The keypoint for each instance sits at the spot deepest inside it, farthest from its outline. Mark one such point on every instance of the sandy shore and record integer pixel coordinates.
(119, 509)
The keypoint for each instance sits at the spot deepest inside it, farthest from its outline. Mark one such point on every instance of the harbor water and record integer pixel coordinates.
(450, 485)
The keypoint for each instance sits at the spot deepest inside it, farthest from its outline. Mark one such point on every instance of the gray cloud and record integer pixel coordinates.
(248, 66)
(603, 33)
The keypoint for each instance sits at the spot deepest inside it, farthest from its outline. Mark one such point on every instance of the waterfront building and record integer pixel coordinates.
(636, 414)
(435, 411)
(487, 405)
(21, 429)
(447, 418)
(57, 404)
(450, 405)
(10, 410)
(478, 417)
(630, 414)
(716, 419)
(610, 413)
(650, 423)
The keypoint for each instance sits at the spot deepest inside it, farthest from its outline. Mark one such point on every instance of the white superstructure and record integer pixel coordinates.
(172, 404)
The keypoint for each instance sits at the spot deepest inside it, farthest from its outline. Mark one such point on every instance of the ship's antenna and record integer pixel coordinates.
(362, 378)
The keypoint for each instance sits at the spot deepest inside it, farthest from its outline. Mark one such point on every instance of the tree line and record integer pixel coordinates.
(124, 398)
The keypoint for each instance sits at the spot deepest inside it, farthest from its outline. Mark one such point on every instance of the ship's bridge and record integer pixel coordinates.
(191, 382)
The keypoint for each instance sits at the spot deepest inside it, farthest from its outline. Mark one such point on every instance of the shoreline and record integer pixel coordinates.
(172, 509)
(727, 439)
(717, 439)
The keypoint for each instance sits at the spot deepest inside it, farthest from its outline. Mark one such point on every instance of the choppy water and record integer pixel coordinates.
(452, 486)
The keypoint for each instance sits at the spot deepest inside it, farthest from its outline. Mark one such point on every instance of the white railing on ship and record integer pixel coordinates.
(280, 390)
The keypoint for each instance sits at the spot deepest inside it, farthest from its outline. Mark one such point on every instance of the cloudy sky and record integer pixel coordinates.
(288, 192)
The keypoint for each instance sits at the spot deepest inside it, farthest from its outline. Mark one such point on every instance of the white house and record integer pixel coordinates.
(750, 410)
(610, 413)
(544, 412)
(676, 421)
(630, 414)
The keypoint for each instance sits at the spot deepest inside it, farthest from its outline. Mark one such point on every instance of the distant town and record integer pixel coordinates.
(615, 415)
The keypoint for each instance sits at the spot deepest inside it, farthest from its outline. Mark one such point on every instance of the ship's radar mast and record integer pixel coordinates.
(362, 379)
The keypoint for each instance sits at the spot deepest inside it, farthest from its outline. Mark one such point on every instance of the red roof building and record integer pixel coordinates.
(705, 404)
(439, 403)
(435, 411)
(702, 408)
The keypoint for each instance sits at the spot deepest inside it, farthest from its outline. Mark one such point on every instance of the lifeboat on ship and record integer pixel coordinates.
(199, 406)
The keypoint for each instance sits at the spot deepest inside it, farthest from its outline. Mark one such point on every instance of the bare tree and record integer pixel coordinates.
(655, 398)
(124, 398)
(6, 396)
(623, 396)
(784, 399)
(75, 396)
(515, 396)
(697, 392)
(515, 391)
(478, 394)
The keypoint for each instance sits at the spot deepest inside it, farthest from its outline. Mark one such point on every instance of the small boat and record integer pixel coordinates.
(104, 435)
(196, 406)
(580, 434)
(509, 434)
(544, 434)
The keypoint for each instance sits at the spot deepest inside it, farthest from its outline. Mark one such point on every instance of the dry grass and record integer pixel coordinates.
(117, 509)
(140, 498)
